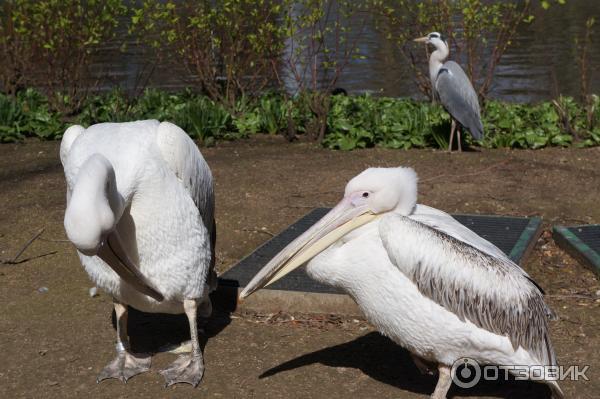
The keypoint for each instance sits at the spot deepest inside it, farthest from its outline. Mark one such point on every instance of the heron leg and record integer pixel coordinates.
(452, 129)
(126, 364)
(458, 129)
(443, 384)
(187, 368)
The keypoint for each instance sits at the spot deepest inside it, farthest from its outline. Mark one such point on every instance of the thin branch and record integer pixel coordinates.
(13, 261)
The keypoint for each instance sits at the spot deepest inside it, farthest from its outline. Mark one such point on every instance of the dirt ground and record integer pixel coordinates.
(53, 343)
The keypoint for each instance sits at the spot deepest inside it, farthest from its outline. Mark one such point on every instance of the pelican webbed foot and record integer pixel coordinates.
(125, 366)
(186, 369)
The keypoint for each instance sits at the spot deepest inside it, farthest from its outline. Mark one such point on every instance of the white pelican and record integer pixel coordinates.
(140, 211)
(421, 278)
(453, 89)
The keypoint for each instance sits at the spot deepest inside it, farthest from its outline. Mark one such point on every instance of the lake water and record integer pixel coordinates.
(540, 63)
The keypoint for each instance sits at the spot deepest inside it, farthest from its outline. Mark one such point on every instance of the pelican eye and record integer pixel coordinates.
(365, 194)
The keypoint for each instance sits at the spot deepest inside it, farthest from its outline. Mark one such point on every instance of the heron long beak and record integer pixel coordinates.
(113, 253)
(341, 220)
(423, 39)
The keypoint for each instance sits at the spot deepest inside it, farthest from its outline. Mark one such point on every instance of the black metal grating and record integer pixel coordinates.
(590, 235)
(581, 242)
(508, 233)
(503, 231)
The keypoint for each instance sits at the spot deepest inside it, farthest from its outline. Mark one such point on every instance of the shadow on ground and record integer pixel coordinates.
(381, 359)
(152, 332)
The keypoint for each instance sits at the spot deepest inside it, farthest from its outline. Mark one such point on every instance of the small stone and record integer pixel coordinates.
(94, 292)
(42, 352)
(42, 290)
(598, 293)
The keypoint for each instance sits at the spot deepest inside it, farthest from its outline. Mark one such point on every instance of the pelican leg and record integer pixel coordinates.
(458, 129)
(452, 129)
(443, 384)
(187, 368)
(126, 364)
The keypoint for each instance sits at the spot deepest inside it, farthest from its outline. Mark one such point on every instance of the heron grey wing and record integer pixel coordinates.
(442, 221)
(183, 157)
(493, 294)
(457, 95)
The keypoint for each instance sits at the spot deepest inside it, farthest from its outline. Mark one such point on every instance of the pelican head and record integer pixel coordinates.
(371, 194)
(94, 209)
(435, 38)
(95, 206)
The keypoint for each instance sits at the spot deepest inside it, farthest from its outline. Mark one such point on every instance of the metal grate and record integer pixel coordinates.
(590, 235)
(513, 235)
(581, 242)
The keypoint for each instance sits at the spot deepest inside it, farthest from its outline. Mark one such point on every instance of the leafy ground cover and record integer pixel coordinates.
(352, 122)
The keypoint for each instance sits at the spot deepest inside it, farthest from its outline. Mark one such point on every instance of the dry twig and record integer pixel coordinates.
(13, 261)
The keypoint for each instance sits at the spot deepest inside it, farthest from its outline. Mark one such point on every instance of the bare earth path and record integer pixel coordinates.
(52, 344)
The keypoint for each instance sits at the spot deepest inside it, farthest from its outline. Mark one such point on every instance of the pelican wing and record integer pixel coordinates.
(457, 95)
(185, 160)
(491, 292)
(442, 221)
(68, 138)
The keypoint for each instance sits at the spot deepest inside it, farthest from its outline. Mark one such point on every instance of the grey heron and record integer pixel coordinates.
(140, 212)
(421, 278)
(453, 89)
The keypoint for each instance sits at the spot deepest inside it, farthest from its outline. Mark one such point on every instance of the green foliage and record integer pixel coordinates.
(522, 126)
(353, 121)
(10, 119)
(359, 122)
(38, 117)
(28, 114)
(111, 107)
(230, 46)
(205, 120)
(49, 44)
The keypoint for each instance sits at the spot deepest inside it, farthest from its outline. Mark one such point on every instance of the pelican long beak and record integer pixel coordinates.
(423, 39)
(341, 220)
(113, 253)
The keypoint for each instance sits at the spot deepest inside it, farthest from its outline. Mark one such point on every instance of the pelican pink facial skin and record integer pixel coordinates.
(371, 193)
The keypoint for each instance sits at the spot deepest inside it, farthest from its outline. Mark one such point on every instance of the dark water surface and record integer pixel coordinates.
(540, 63)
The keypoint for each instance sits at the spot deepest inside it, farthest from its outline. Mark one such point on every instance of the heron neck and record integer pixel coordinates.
(436, 60)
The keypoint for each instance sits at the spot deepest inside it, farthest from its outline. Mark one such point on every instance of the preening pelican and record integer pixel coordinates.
(453, 89)
(140, 211)
(421, 278)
